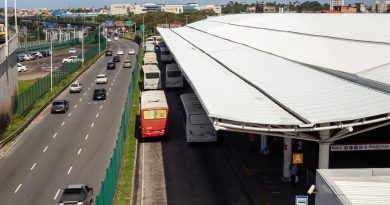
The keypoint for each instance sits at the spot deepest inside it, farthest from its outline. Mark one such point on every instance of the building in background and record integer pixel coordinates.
(216, 8)
(152, 8)
(334, 3)
(120, 9)
(173, 8)
(380, 7)
(361, 8)
(345, 9)
(137, 9)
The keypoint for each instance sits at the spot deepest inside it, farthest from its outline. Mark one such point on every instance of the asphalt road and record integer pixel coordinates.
(60, 149)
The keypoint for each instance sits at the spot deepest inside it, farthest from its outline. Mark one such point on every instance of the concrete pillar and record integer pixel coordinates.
(323, 160)
(287, 154)
(264, 146)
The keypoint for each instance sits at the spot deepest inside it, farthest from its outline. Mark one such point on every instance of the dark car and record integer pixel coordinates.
(110, 65)
(20, 59)
(33, 57)
(59, 106)
(108, 53)
(45, 53)
(99, 94)
(116, 59)
(77, 194)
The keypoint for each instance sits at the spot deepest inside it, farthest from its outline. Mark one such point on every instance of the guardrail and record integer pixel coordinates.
(109, 184)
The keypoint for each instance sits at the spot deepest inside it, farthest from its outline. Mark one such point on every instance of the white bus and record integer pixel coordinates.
(150, 58)
(152, 77)
(173, 76)
(198, 126)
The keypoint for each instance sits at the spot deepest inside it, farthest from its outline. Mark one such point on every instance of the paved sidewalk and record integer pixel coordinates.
(264, 173)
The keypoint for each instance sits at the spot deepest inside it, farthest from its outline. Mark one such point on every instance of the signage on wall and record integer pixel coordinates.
(359, 147)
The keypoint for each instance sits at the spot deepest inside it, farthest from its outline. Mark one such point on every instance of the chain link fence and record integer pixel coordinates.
(109, 184)
(23, 102)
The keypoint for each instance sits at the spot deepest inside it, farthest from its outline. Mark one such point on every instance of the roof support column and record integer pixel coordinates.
(323, 161)
(264, 146)
(287, 152)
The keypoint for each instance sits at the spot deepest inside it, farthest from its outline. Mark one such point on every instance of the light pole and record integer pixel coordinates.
(82, 46)
(186, 19)
(99, 37)
(16, 19)
(6, 25)
(51, 60)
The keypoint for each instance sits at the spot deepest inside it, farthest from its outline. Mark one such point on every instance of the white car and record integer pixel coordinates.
(109, 39)
(131, 51)
(116, 38)
(127, 64)
(21, 68)
(72, 50)
(75, 87)
(101, 79)
(72, 59)
(119, 52)
(27, 57)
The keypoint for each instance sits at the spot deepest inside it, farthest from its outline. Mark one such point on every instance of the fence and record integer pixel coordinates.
(109, 184)
(45, 45)
(25, 100)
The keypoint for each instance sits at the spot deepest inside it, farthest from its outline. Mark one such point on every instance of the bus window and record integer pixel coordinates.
(152, 75)
(155, 114)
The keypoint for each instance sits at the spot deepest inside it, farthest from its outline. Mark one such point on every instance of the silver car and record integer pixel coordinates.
(127, 64)
(75, 87)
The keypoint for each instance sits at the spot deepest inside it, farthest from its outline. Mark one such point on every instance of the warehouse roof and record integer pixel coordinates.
(271, 77)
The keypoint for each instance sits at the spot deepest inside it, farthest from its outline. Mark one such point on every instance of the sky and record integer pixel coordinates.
(102, 3)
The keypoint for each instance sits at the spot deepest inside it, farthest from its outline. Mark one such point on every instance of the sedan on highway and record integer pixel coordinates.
(72, 50)
(59, 106)
(119, 52)
(101, 79)
(108, 53)
(21, 68)
(99, 94)
(116, 59)
(78, 194)
(75, 87)
(110, 65)
(37, 54)
(131, 51)
(127, 64)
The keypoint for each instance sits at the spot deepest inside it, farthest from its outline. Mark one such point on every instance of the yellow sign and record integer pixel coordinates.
(298, 158)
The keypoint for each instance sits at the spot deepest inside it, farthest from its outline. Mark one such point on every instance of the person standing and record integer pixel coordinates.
(294, 174)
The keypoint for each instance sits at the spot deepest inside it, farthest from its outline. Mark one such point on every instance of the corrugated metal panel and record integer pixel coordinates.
(316, 96)
(223, 95)
(343, 55)
(379, 74)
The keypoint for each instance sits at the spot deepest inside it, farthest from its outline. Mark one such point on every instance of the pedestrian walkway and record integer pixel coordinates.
(264, 172)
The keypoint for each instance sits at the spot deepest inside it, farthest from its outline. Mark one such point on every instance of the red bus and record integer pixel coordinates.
(153, 114)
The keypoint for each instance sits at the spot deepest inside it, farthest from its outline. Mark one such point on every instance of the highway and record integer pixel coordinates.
(61, 149)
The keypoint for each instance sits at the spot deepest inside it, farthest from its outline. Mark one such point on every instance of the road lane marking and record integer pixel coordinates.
(17, 189)
(91, 83)
(86, 137)
(92, 124)
(55, 197)
(89, 88)
(75, 106)
(63, 123)
(2, 154)
(78, 153)
(109, 88)
(70, 169)
(114, 79)
(85, 93)
(80, 99)
(97, 115)
(108, 93)
(55, 134)
(101, 106)
(33, 166)
(44, 150)
(112, 84)
(69, 114)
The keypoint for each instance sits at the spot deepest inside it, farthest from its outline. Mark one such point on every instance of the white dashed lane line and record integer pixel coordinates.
(92, 124)
(89, 88)
(55, 134)
(109, 89)
(75, 106)
(97, 115)
(55, 197)
(63, 123)
(70, 169)
(80, 99)
(86, 137)
(17, 189)
(78, 153)
(101, 106)
(69, 114)
(33, 166)
(44, 150)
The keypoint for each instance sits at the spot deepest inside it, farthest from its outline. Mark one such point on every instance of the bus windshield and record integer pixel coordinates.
(155, 114)
(199, 119)
(174, 74)
(152, 75)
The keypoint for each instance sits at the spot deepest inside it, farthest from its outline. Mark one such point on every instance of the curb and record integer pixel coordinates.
(27, 123)
(135, 178)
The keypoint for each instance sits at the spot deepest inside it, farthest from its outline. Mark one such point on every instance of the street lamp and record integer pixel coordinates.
(6, 26)
(51, 60)
(16, 19)
(143, 30)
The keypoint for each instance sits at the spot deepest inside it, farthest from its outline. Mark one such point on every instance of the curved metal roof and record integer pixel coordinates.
(268, 77)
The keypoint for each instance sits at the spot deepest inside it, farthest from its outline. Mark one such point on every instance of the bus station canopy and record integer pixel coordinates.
(287, 72)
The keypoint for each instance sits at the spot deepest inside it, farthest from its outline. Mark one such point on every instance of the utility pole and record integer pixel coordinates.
(16, 19)
(99, 37)
(143, 30)
(6, 26)
(38, 32)
(82, 45)
(51, 60)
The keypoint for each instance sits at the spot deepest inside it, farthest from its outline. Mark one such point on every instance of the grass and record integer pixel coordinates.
(129, 36)
(124, 189)
(17, 121)
(24, 84)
